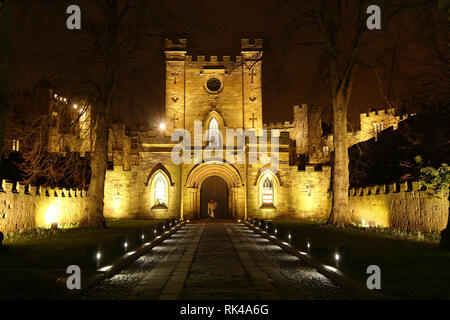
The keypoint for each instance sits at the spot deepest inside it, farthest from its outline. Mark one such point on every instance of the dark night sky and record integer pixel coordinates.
(40, 25)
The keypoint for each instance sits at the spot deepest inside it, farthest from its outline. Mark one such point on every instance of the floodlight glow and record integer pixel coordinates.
(162, 126)
(337, 257)
(331, 268)
(106, 268)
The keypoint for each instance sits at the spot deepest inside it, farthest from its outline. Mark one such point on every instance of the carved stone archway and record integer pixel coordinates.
(200, 172)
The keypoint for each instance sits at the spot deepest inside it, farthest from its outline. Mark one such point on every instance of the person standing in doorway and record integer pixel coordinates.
(212, 205)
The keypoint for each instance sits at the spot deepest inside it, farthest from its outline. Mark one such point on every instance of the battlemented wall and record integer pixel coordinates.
(136, 158)
(368, 121)
(401, 206)
(26, 207)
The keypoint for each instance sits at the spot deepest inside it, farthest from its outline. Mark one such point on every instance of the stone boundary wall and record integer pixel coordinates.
(25, 207)
(404, 206)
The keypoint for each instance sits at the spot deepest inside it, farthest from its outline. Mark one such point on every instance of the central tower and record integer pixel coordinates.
(201, 88)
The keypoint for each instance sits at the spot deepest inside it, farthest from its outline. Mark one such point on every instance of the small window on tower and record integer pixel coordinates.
(134, 143)
(15, 146)
(214, 84)
(325, 150)
(213, 131)
(378, 127)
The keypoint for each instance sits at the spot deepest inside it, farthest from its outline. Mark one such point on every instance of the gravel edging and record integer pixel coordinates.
(338, 276)
(125, 260)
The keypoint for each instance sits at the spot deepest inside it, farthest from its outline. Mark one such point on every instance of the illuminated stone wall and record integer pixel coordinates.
(400, 206)
(136, 158)
(27, 207)
(128, 193)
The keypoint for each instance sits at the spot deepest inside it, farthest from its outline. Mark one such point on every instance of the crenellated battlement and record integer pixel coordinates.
(396, 187)
(249, 45)
(15, 187)
(403, 205)
(390, 111)
(279, 125)
(213, 59)
(24, 206)
(314, 168)
(180, 44)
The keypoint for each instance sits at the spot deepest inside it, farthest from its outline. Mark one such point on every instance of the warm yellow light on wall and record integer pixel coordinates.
(117, 204)
(51, 215)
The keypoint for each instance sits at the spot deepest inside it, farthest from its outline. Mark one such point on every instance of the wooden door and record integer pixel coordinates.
(215, 188)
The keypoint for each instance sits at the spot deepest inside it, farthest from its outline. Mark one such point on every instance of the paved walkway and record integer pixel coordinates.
(217, 261)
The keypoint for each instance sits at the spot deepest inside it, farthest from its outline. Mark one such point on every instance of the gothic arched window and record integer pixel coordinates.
(267, 192)
(213, 130)
(160, 190)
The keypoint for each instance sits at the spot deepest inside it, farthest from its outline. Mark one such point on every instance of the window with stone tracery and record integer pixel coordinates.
(267, 192)
(213, 130)
(160, 190)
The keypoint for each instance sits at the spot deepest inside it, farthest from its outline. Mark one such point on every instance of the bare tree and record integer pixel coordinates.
(346, 49)
(94, 65)
(47, 134)
(112, 43)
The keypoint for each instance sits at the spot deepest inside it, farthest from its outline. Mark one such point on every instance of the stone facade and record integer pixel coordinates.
(306, 131)
(142, 181)
(236, 103)
(405, 206)
(27, 207)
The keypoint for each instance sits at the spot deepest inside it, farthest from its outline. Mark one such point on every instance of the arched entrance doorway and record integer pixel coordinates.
(234, 188)
(215, 188)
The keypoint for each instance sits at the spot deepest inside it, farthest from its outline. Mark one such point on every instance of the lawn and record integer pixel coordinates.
(29, 266)
(410, 268)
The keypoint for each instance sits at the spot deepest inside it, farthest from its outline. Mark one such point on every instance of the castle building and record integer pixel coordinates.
(221, 94)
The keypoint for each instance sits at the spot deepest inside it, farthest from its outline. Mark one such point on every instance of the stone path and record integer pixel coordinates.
(217, 261)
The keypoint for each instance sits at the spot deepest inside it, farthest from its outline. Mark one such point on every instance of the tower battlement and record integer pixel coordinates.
(180, 44)
(249, 45)
(390, 111)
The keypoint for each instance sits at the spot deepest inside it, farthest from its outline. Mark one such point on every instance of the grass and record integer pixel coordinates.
(30, 266)
(409, 268)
